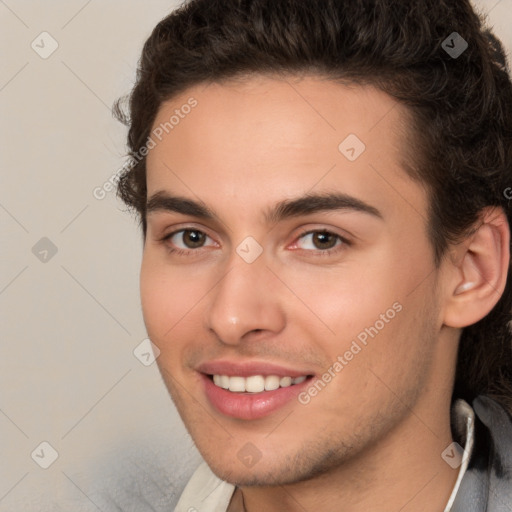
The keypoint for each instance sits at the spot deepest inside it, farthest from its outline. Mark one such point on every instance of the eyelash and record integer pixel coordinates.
(178, 251)
(319, 252)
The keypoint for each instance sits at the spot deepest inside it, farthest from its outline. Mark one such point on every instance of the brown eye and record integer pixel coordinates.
(186, 239)
(324, 240)
(193, 239)
(319, 240)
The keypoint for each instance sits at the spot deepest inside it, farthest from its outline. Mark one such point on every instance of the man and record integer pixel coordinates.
(322, 191)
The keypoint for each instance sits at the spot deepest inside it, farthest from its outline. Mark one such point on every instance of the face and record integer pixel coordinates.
(287, 277)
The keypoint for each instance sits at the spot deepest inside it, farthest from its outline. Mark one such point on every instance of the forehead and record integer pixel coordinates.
(261, 139)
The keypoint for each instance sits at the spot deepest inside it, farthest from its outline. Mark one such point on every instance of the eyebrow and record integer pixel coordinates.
(288, 208)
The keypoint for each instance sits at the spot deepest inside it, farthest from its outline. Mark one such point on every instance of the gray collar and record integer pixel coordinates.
(487, 482)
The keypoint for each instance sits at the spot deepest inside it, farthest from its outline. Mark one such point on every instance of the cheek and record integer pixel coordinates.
(365, 302)
(155, 297)
(172, 299)
(344, 301)
(163, 298)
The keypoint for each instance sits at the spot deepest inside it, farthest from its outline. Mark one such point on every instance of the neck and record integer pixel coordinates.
(403, 471)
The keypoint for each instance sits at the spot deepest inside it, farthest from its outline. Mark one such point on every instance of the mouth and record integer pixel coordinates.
(251, 391)
(255, 383)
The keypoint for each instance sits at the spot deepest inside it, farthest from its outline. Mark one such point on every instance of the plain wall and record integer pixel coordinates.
(71, 320)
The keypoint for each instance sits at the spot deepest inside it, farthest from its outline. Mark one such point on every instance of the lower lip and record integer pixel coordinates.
(246, 406)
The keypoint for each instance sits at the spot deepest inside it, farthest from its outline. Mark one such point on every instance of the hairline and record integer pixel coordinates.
(407, 125)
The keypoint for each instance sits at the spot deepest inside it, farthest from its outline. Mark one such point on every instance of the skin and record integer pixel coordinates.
(372, 438)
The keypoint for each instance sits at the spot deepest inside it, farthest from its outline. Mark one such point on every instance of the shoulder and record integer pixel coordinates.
(487, 484)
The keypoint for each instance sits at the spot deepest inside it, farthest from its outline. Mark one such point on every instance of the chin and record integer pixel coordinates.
(285, 471)
(246, 477)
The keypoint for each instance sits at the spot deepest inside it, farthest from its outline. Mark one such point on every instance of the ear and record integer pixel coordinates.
(478, 270)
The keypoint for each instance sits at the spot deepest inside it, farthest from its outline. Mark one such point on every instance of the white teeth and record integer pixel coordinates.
(255, 383)
(237, 384)
(271, 382)
(285, 382)
(224, 381)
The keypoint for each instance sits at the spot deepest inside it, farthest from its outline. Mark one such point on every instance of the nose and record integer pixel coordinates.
(246, 300)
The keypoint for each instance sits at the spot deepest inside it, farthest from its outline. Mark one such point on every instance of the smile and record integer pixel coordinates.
(255, 383)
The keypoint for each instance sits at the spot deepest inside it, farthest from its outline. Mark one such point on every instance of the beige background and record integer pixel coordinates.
(70, 323)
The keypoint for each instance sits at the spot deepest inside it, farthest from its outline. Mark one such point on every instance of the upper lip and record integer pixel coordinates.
(248, 368)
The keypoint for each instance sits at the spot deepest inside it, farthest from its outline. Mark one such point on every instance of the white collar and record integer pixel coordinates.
(464, 421)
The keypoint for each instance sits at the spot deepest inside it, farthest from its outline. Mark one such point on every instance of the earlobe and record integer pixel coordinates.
(480, 274)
